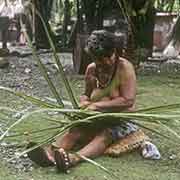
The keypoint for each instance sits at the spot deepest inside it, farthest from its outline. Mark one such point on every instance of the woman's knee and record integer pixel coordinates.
(76, 132)
(105, 135)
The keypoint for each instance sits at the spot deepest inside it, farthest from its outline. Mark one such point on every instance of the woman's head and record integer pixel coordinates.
(102, 43)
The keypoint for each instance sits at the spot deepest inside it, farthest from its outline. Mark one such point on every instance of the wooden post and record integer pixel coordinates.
(33, 20)
(80, 58)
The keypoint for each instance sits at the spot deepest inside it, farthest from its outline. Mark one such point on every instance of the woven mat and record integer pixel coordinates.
(129, 143)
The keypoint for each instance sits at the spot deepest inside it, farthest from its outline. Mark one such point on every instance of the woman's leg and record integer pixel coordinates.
(44, 156)
(95, 148)
(73, 137)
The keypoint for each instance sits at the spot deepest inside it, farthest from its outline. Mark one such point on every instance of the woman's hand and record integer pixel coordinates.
(84, 101)
(92, 107)
(88, 105)
(84, 104)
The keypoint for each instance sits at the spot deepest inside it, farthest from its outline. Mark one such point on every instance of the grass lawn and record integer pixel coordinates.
(153, 90)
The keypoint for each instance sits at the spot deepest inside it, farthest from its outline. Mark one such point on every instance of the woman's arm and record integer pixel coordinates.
(90, 84)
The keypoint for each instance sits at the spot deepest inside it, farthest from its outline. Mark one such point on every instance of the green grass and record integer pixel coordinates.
(152, 91)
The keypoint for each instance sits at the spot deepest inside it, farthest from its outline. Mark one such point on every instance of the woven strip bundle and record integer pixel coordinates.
(129, 143)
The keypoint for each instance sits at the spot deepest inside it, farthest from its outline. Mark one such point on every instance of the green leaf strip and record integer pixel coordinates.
(43, 69)
(60, 67)
(34, 100)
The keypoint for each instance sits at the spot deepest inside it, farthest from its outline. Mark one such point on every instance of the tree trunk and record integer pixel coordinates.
(93, 10)
(44, 7)
(140, 40)
(144, 28)
(67, 15)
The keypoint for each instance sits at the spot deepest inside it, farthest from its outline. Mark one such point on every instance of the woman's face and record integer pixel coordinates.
(105, 62)
(105, 67)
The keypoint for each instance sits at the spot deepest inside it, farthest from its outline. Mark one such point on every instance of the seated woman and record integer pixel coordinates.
(110, 86)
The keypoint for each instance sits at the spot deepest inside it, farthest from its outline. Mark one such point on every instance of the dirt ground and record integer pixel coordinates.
(22, 74)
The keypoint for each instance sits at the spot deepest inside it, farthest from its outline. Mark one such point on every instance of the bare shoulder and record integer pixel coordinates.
(124, 63)
(126, 68)
(90, 70)
(91, 66)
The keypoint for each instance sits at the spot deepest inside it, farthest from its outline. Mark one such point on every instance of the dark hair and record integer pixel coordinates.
(102, 43)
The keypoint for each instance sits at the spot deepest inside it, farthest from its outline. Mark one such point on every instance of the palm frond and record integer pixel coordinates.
(60, 67)
(57, 121)
(43, 69)
(151, 129)
(66, 103)
(95, 117)
(163, 108)
(25, 116)
(32, 99)
(89, 118)
(98, 165)
(48, 140)
(170, 130)
(7, 109)
(27, 133)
